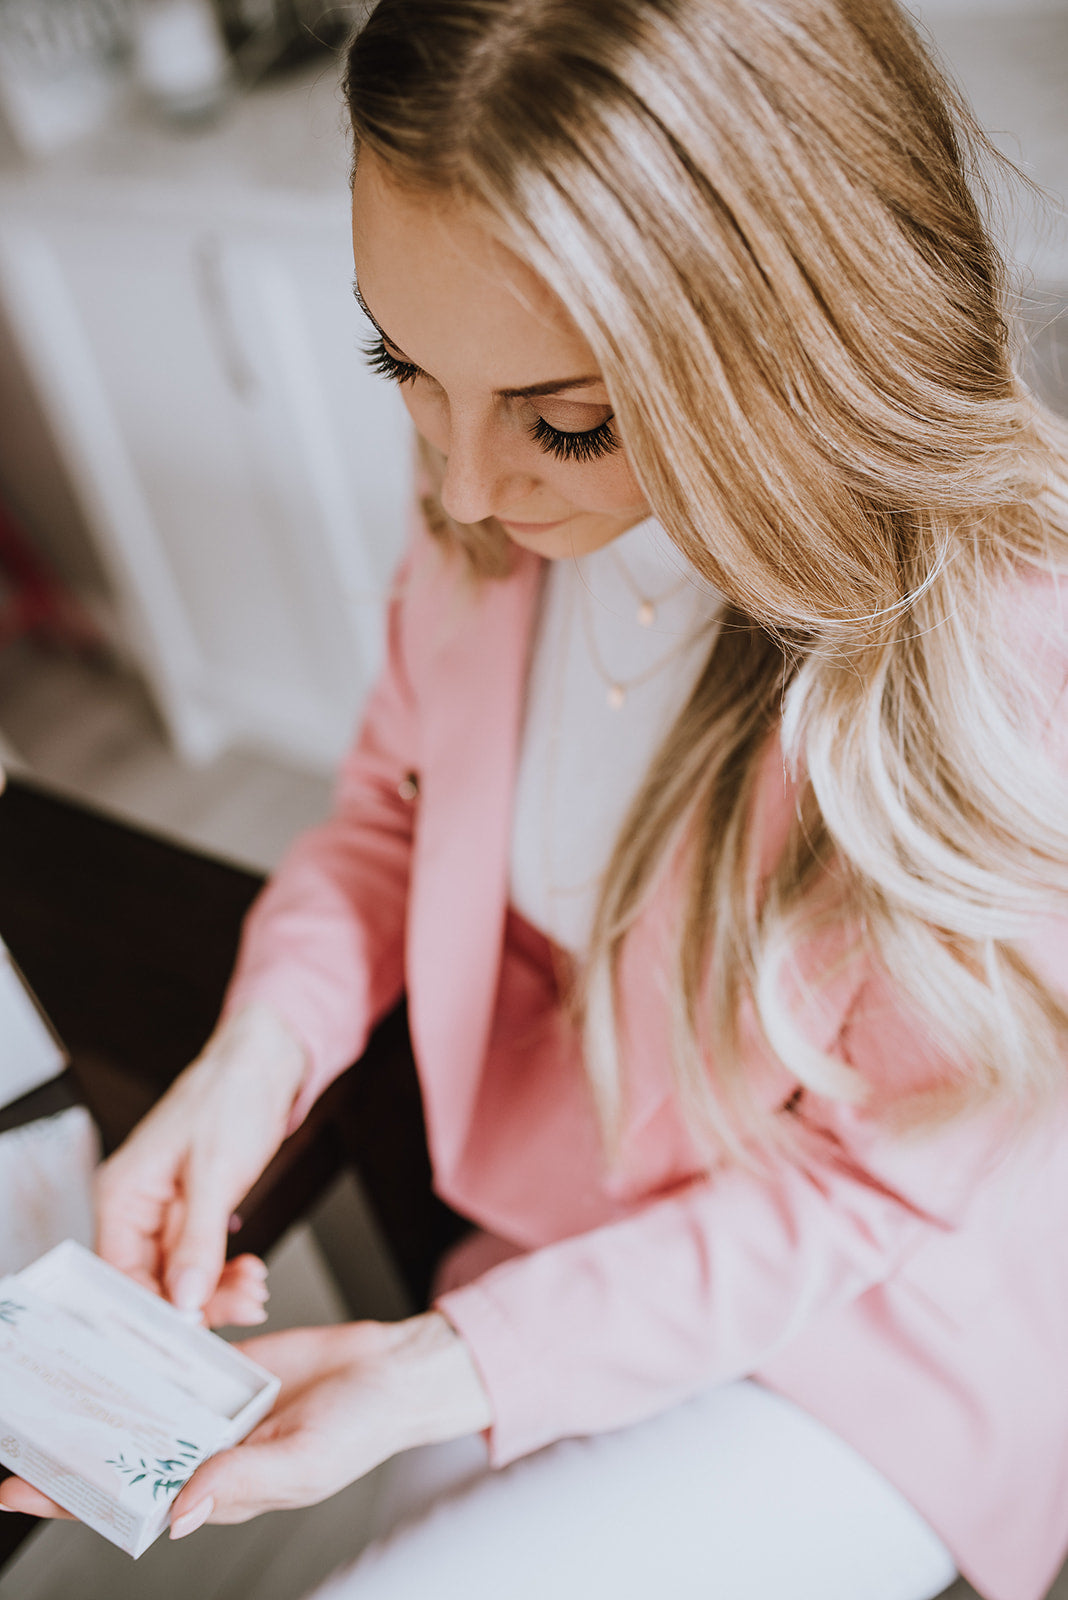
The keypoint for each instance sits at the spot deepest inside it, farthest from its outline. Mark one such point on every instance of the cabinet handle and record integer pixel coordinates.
(211, 281)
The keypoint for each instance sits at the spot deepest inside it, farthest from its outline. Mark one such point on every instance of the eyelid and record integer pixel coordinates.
(394, 353)
(552, 403)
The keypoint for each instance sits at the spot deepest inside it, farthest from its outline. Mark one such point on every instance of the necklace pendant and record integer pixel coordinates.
(616, 696)
(646, 613)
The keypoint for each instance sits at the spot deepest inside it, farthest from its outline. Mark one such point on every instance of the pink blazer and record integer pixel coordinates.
(913, 1294)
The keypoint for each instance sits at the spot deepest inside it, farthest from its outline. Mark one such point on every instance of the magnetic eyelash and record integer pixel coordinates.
(584, 446)
(379, 360)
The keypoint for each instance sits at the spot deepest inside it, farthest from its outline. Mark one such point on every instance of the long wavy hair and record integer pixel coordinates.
(762, 216)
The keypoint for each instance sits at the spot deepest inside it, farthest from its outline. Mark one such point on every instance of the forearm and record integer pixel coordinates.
(257, 1051)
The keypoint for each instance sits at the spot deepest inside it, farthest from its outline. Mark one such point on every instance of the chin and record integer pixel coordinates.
(550, 545)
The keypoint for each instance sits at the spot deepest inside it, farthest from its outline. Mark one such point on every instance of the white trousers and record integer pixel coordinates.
(735, 1495)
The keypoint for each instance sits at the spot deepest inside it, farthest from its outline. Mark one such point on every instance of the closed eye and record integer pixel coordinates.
(379, 360)
(585, 446)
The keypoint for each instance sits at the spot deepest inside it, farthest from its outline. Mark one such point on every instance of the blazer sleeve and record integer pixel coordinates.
(709, 1283)
(701, 1286)
(323, 944)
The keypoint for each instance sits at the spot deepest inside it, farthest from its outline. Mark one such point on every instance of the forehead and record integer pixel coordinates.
(434, 275)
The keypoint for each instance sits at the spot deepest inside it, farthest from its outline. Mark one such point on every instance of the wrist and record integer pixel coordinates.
(444, 1396)
(257, 1043)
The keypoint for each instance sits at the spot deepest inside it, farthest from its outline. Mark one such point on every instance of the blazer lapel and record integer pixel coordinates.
(474, 672)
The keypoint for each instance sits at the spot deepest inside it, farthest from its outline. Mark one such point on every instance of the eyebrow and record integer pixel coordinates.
(528, 390)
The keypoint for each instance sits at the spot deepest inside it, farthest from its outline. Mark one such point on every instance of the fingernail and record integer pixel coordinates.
(5, 1508)
(190, 1521)
(190, 1290)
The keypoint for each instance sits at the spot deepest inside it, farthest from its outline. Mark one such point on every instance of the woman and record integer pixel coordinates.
(709, 810)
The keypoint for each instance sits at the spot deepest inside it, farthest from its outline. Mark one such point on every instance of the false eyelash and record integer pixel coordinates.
(379, 360)
(586, 446)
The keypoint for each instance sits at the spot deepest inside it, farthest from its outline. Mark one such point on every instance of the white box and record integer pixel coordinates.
(110, 1398)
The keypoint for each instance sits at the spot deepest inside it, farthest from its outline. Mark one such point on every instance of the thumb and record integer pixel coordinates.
(237, 1484)
(196, 1259)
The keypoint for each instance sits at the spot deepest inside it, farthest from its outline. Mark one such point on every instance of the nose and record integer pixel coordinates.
(478, 481)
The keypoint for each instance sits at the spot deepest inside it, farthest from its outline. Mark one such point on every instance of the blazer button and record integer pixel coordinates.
(408, 787)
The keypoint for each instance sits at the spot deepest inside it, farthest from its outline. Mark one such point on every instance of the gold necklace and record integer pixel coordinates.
(647, 603)
(558, 893)
(618, 688)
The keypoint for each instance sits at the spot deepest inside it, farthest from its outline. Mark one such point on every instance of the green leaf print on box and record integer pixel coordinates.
(166, 1474)
(10, 1311)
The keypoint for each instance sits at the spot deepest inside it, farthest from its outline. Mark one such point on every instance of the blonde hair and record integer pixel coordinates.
(758, 213)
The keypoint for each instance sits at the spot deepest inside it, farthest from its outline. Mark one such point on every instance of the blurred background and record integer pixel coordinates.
(202, 491)
(201, 487)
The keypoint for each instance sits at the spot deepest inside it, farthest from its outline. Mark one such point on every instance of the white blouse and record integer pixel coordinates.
(621, 637)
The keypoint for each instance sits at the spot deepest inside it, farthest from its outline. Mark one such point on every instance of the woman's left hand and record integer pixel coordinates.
(351, 1396)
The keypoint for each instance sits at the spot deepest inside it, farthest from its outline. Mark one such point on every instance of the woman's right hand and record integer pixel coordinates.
(165, 1198)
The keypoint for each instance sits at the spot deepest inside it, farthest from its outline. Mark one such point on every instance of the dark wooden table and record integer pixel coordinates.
(128, 940)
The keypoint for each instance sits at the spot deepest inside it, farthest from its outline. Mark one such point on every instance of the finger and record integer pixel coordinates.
(138, 1193)
(241, 1296)
(195, 1264)
(129, 1223)
(230, 1309)
(244, 1482)
(249, 1266)
(18, 1495)
(247, 1274)
(189, 1521)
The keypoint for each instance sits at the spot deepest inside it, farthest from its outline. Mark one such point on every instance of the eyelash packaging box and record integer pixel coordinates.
(109, 1398)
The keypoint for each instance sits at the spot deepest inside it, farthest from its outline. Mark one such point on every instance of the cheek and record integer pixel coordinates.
(605, 485)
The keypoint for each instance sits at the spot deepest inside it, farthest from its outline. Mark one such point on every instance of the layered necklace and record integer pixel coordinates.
(621, 637)
(617, 687)
(568, 892)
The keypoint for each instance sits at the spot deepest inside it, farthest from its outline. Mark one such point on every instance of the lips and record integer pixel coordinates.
(531, 527)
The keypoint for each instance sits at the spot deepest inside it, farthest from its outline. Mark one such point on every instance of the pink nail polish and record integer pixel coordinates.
(190, 1521)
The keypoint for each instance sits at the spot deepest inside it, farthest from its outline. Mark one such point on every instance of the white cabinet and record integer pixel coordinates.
(245, 478)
